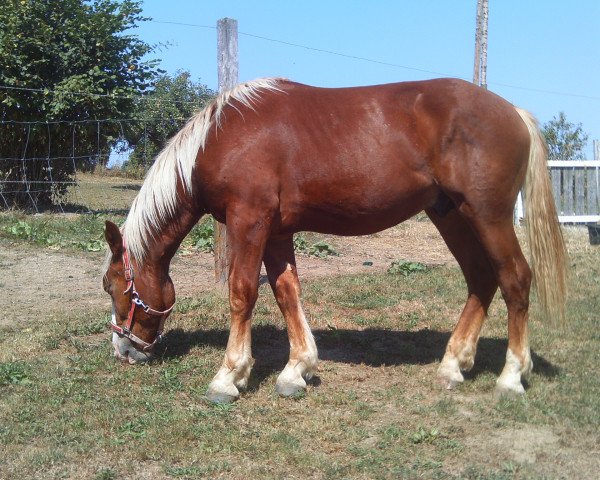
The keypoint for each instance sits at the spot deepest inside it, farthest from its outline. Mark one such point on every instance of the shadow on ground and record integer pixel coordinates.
(127, 186)
(372, 347)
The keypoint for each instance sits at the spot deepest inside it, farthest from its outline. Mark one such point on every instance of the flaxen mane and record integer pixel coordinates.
(157, 200)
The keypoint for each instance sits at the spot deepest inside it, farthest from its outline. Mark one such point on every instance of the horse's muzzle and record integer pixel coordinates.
(125, 351)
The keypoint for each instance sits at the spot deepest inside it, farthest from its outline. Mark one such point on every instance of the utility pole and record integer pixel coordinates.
(481, 40)
(228, 65)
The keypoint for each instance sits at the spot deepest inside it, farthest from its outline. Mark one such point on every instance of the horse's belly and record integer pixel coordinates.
(361, 216)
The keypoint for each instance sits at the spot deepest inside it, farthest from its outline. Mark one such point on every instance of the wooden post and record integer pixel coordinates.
(484, 42)
(227, 56)
(596, 144)
(477, 63)
(481, 36)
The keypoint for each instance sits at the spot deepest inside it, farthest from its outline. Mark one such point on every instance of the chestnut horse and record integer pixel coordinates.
(271, 157)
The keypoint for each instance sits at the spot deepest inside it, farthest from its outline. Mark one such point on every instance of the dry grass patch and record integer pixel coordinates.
(67, 409)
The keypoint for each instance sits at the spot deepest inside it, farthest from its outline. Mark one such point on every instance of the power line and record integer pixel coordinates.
(314, 49)
(549, 92)
(95, 95)
(184, 24)
(381, 62)
(106, 120)
(290, 44)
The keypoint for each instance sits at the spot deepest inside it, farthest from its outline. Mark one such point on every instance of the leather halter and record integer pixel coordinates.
(136, 301)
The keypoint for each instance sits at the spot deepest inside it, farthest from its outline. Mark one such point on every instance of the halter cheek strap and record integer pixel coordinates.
(136, 301)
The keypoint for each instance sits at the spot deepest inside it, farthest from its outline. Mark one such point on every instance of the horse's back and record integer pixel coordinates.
(356, 160)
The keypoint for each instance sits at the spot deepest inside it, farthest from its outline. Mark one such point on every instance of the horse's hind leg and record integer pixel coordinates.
(481, 285)
(280, 263)
(497, 235)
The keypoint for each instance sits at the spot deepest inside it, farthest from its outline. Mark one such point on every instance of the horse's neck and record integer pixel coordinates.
(166, 241)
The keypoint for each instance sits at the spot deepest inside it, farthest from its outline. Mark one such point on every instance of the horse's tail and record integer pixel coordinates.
(546, 243)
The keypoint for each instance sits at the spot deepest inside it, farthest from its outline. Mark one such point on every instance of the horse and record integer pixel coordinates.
(271, 157)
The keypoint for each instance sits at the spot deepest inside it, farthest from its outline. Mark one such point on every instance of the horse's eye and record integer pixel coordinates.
(106, 284)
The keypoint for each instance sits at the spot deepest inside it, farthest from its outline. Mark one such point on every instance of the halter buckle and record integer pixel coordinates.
(128, 272)
(138, 301)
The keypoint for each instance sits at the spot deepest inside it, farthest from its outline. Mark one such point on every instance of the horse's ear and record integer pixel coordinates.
(113, 237)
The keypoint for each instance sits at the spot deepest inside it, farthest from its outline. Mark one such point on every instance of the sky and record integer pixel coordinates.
(542, 55)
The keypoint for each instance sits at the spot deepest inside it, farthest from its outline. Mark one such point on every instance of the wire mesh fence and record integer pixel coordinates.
(48, 164)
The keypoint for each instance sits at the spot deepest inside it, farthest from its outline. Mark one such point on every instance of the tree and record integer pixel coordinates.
(162, 113)
(565, 140)
(66, 61)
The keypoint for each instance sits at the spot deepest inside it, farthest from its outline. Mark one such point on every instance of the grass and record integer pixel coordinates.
(56, 231)
(67, 409)
(103, 193)
(67, 406)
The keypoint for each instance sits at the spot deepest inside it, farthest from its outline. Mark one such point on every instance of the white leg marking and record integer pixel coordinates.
(302, 364)
(528, 367)
(224, 387)
(509, 381)
(449, 375)
(466, 357)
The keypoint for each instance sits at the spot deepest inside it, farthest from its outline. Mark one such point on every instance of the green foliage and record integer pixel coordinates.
(423, 435)
(164, 112)
(84, 232)
(565, 140)
(320, 249)
(404, 268)
(300, 243)
(31, 232)
(70, 60)
(14, 373)
(203, 235)
(95, 245)
(105, 474)
(20, 229)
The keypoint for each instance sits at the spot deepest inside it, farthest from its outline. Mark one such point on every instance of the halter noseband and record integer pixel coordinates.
(136, 301)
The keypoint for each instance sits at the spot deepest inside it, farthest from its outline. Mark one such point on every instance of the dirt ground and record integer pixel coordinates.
(38, 281)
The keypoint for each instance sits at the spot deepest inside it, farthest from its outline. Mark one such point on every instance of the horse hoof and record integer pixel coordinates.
(448, 377)
(449, 383)
(287, 389)
(506, 391)
(220, 397)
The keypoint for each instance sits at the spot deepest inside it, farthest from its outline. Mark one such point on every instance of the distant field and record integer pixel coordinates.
(69, 410)
(102, 193)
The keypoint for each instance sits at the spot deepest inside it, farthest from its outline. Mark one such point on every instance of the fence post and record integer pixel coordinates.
(481, 40)
(596, 144)
(227, 57)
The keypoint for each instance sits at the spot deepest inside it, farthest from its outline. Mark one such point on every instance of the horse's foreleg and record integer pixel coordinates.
(281, 268)
(481, 284)
(246, 242)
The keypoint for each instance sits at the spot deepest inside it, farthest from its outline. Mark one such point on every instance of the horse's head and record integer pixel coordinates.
(141, 300)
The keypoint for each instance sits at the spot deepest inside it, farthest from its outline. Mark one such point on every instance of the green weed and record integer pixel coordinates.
(423, 435)
(405, 268)
(105, 474)
(320, 249)
(80, 232)
(14, 373)
(300, 243)
(202, 235)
